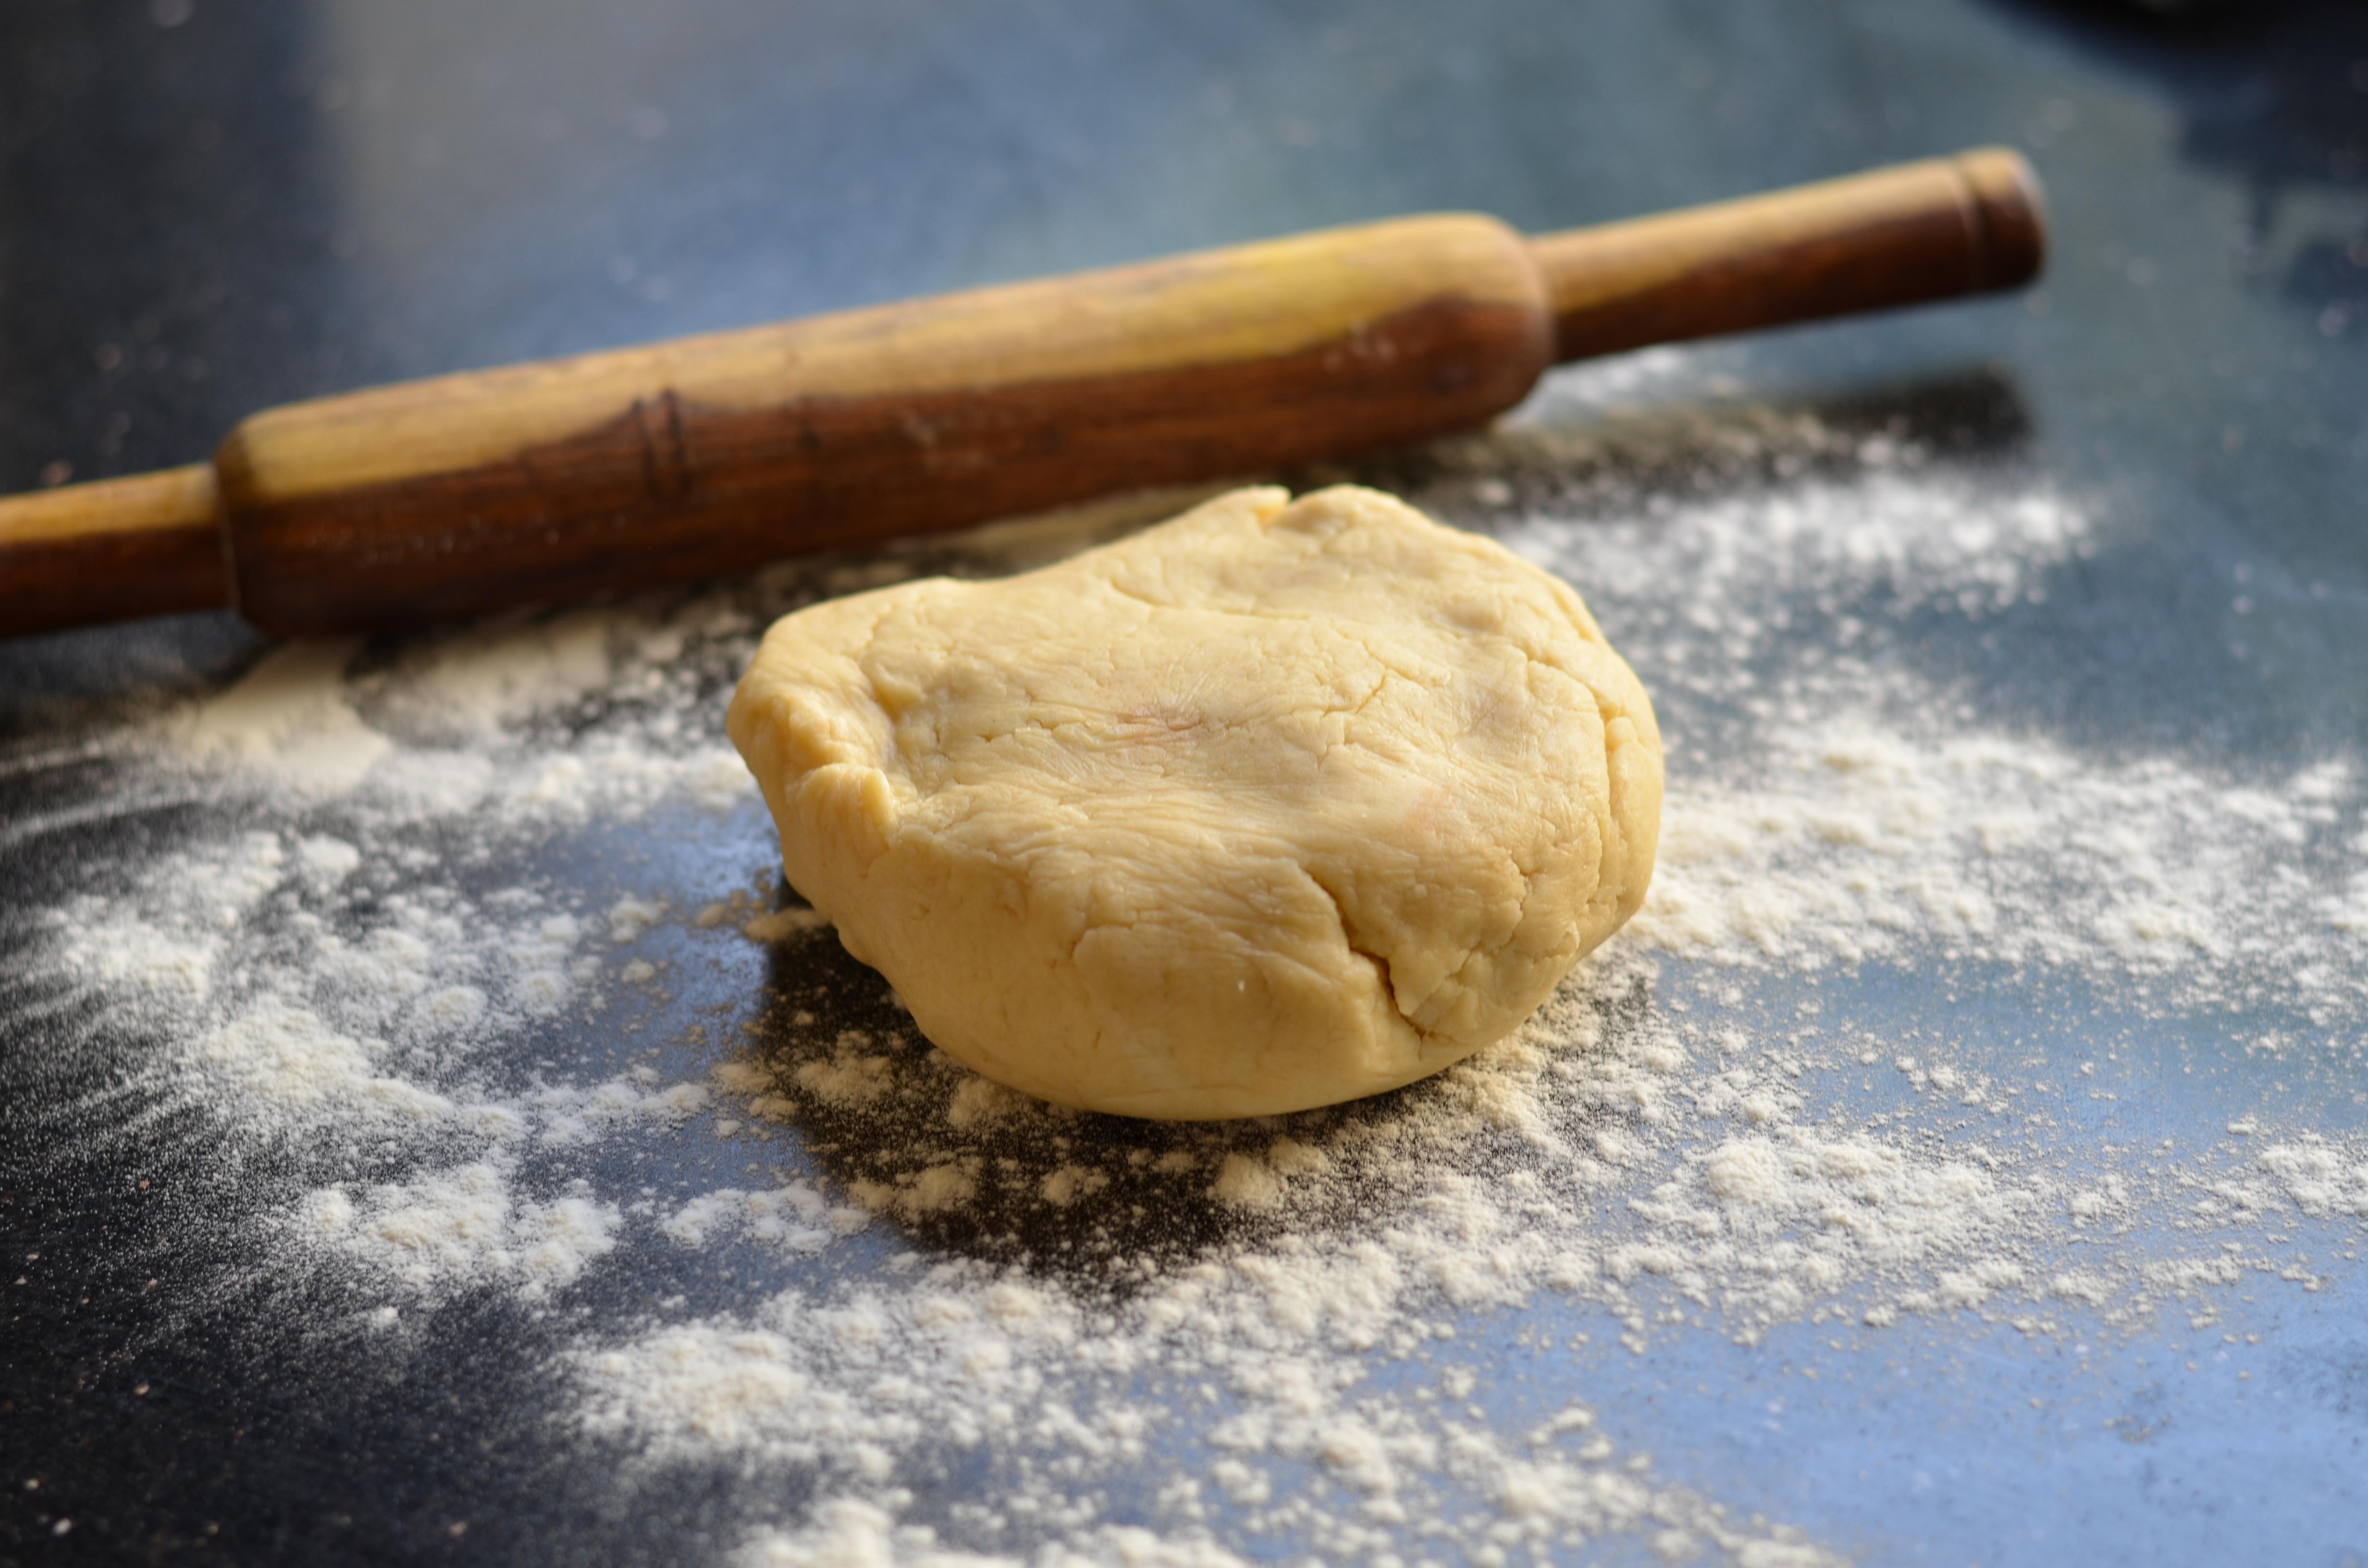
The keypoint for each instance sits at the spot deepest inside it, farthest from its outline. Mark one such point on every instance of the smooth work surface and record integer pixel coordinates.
(430, 1134)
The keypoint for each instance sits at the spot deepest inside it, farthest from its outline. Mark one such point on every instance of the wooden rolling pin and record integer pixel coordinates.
(551, 480)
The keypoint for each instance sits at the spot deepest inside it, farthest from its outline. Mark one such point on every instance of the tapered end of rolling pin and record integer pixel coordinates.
(2011, 211)
(111, 550)
(1935, 229)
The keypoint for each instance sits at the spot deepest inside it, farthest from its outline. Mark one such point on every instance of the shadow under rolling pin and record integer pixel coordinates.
(565, 478)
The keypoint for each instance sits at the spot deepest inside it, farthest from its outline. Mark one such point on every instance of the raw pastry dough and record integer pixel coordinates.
(1276, 804)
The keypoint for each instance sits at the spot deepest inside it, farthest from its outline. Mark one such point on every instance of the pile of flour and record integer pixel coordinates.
(418, 939)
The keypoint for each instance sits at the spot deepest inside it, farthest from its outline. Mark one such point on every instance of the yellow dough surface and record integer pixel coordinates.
(1276, 804)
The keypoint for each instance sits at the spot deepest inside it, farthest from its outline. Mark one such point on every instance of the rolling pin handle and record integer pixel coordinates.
(112, 550)
(1905, 235)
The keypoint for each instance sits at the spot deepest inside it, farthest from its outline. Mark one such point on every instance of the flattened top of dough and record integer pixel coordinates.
(1276, 804)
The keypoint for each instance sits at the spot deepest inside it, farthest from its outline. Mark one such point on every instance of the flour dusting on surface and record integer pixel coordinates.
(477, 940)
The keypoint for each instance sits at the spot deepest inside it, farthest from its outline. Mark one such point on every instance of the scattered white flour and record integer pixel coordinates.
(422, 948)
(462, 1227)
(287, 715)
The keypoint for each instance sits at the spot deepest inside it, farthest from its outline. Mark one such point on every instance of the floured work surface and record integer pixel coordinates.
(1965, 1132)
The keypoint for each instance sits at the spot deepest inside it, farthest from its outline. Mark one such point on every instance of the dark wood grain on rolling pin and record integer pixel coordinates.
(688, 491)
(675, 487)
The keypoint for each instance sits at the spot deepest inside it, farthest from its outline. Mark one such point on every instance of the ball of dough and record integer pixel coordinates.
(1276, 804)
